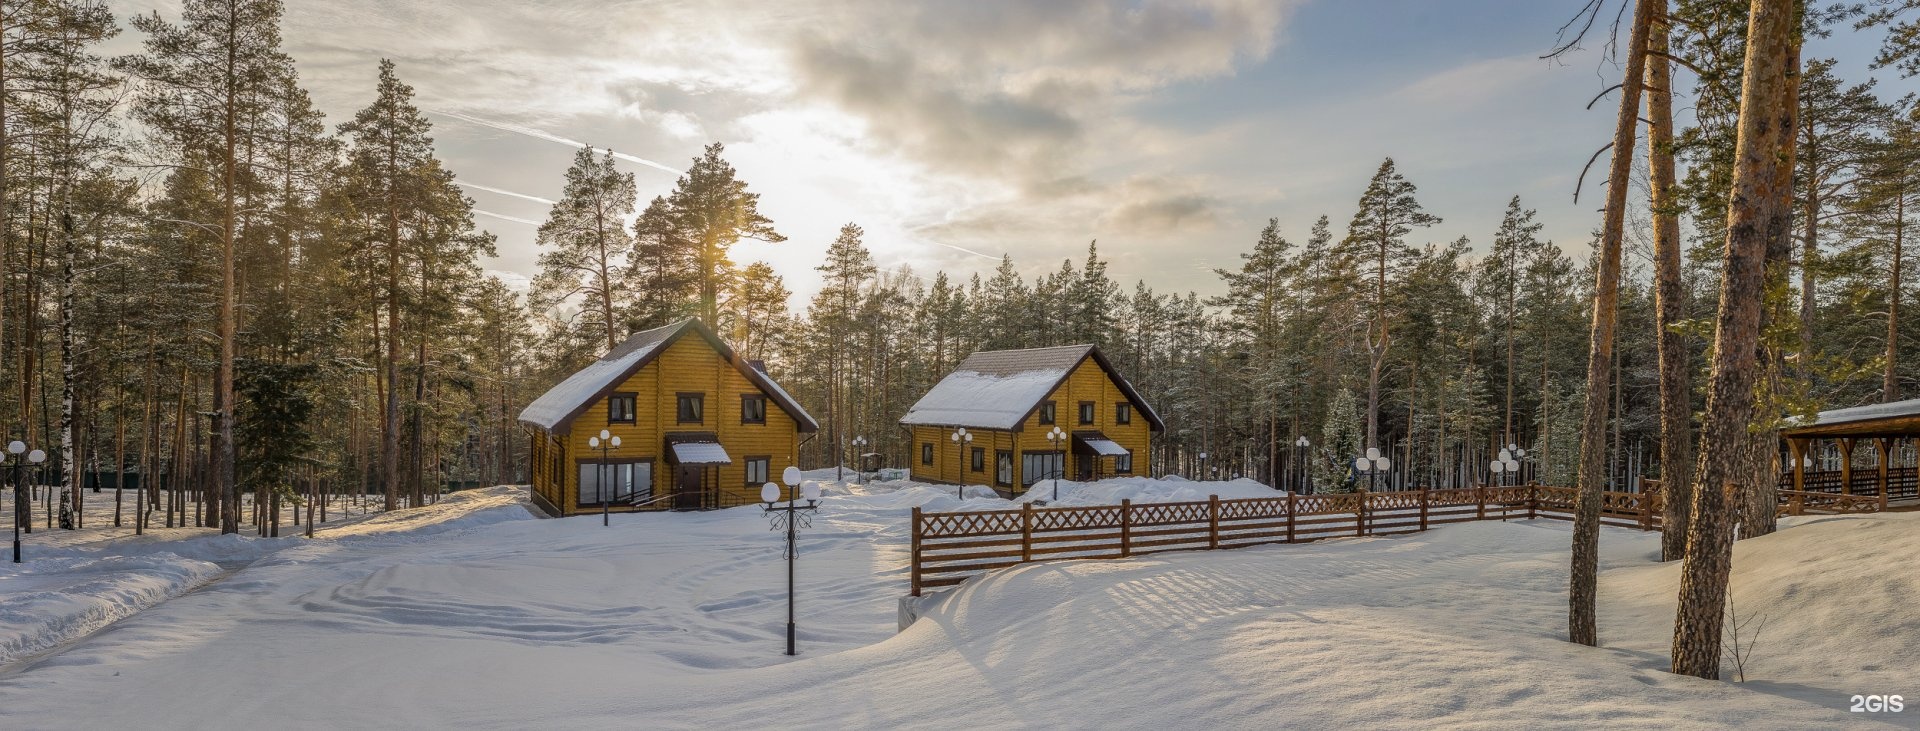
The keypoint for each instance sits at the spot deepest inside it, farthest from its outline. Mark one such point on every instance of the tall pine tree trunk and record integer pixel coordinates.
(1670, 296)
(1889, 384)
(1758, 215)
(1582, 591)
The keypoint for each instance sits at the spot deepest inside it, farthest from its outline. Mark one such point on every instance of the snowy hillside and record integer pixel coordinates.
(472, 615)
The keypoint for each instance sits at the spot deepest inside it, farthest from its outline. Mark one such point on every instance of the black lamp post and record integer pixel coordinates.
(960, 439)
(1372, 464)
(1058, 439)
(605, 443)
(21, 505)
(789, 517)
(1302, 476)
(860, 458)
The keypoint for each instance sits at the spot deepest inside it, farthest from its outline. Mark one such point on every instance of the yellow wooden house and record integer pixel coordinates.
(699, 427)
(1011, 401)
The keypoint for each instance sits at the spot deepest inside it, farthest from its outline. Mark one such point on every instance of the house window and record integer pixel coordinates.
(620, 408)
(693, 408)
(1002, 467)
(1086, 412)
(1037, 466)
(979, 459)
(1123, 463)
(1046, 413)
(926, 453)
(1123, 413)
(753, 409)
(625, 482)
(757, 470)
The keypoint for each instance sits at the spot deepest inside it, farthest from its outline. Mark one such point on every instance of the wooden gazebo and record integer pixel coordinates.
(1831, 438)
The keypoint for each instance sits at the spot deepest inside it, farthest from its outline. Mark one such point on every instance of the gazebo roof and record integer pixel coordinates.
(1891, 419)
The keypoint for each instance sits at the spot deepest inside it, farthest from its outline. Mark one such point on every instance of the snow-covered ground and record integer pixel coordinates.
(75, 581)
(472, 614)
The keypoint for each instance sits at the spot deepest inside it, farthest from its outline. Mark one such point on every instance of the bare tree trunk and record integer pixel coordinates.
(1757, 216)
(1582, 590)
(1889, 383)
(1670, 295)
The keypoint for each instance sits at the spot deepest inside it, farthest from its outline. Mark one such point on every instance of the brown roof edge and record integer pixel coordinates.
(802, 420)
(1133, 396)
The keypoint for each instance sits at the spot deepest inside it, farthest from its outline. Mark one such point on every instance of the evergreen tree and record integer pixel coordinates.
(585, 240)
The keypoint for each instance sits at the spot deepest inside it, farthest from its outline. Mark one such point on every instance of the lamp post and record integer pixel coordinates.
(605, 442)
(860, 446)
(1516, 465)
(788, 517)
(1303, 475)
(1203, 466)
(960, 439)
(21, 506)
(1058, 439)
(1504, 465)
(1372, 464)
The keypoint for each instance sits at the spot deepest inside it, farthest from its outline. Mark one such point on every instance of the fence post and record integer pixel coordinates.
(1796, 504)
(1360, 514)
(1423, 509)
(1126, 525)
(1290, 517)
(1480, 502)
(1026, 532)
(1213, 522)
(916, 553)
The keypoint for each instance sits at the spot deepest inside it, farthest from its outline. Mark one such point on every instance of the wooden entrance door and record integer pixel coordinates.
(688, 493)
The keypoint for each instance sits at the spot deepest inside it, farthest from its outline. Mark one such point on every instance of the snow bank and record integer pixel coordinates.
(75, 582)
(1835, 601)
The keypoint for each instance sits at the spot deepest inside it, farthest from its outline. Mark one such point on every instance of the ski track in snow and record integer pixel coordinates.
(471, 615)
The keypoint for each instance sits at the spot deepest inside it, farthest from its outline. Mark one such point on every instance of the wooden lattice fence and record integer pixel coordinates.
(950, 547)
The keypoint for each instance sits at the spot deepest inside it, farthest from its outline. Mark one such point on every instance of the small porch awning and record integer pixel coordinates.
(699, 453)
(1097, 443)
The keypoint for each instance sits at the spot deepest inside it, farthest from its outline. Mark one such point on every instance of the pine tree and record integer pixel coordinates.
(1377, 243)
(585, 237)
(211, 80)
(712, 206)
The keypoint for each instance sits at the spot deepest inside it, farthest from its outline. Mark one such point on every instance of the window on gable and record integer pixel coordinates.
(692, 408)
(1123, 413)
(753, 409)
(1086, 412)
(620, 408)
(1046, 413)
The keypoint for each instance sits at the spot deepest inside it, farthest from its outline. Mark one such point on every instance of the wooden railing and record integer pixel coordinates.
(950, 547)
(1795, 502)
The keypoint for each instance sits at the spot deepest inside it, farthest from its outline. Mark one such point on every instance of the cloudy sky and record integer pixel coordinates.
(954, 132)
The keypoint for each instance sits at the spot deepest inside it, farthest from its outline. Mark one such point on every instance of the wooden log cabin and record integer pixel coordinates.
(699, 428)
(1011, 400)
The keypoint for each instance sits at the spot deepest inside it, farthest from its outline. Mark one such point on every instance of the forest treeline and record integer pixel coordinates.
(209, 283)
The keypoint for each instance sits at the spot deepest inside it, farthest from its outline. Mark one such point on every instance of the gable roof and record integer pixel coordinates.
(556, 409)
(998, 389)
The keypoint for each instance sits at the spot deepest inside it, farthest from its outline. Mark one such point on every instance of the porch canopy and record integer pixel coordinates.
(1094, 442)
(1888, 428)
(695, 451)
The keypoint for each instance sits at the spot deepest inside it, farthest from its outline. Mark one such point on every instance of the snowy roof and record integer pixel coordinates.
(997, 389)
(700, 453)
(1893, 417)
(557, 408)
